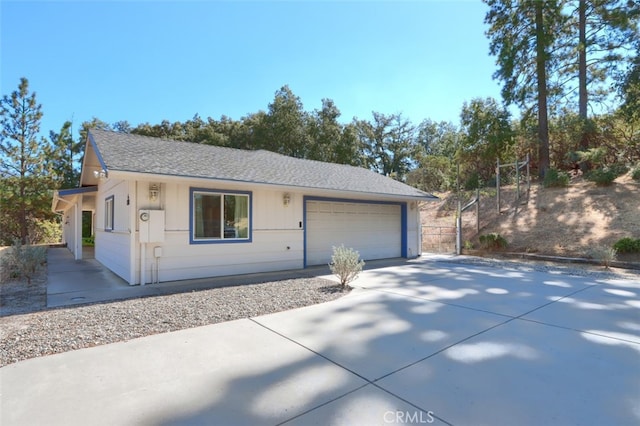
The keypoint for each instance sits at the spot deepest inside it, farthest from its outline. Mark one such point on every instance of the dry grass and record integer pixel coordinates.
(555, 221)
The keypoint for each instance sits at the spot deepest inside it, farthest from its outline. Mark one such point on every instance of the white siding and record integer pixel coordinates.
(112, 248)
(277, 236)
(277, 239)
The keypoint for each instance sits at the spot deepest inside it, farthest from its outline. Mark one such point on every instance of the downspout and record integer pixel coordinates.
(133, 221)
(78, 230)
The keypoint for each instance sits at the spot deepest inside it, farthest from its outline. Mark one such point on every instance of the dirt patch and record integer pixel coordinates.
(552, 221)
(18, 297)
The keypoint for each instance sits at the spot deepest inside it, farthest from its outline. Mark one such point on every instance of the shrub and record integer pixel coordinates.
(555, 179)
(635, 173)
(627, 245)
(604, 255)
(602, 176)
(22, 261)
(345, 264)
(493, 241)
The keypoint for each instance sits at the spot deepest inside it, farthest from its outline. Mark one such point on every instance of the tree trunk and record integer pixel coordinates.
(541, 74)
(582, 73)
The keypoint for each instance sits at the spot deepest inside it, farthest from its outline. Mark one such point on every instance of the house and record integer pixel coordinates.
(166, 210)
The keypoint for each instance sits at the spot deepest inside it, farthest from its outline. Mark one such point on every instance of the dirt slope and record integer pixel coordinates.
(555, 221)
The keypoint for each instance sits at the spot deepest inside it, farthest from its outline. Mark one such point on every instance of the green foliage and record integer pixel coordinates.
(627, 245)
(46, 231)
(487, 135)
(345, 264)
(555, 179)
(604, 255)
(388, 143)
(635, 173)
(594, 156)
(472, 182)
(435, 173)
(602, 176)
(26, 176)
(88, 241)
(492, 241)
(22, 261)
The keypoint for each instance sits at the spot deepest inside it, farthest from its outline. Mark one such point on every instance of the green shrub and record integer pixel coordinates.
(46, 232)
(604, 255)
(627, 245)
(345, 264)
(555, 179)
(602, 176)
(472, 182)
(492, 241)
(22, 261)
(635, 173)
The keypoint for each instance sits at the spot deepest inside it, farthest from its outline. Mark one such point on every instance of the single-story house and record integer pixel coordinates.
(167, 210)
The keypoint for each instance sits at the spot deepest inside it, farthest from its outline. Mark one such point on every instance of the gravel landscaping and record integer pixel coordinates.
(30, 335)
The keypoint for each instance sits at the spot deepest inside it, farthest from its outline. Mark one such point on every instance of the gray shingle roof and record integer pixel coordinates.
(142, 154)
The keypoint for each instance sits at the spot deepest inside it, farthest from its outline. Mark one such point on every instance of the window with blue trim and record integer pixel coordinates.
(219, 216)
(108, 213)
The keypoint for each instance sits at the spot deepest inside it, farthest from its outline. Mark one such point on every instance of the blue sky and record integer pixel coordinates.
(146, 61)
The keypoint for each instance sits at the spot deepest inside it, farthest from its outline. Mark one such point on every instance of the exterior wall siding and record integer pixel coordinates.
(278, 234)
(112, 248)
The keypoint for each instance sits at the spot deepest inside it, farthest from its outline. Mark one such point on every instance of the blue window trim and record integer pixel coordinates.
(219, 240)
(403, 218)
(113, 219)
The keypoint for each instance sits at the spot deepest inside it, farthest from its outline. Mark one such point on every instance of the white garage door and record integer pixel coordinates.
(372, 229)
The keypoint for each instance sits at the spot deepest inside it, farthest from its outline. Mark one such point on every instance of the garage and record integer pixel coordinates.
(374, 229)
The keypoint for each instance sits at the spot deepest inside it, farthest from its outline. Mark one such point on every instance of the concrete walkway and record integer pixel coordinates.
(74, 282)
(427, 341)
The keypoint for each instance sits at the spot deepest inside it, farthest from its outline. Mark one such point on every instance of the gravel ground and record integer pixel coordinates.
(59, 330)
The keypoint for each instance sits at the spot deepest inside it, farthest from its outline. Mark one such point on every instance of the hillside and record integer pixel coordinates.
(552, 221)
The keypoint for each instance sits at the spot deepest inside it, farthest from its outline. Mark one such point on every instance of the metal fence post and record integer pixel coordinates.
(498, 184)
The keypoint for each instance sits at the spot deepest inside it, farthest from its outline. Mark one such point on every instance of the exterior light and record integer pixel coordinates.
(154, 190)
(286, 199)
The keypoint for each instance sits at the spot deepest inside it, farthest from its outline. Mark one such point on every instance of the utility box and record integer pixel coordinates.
(151, 225)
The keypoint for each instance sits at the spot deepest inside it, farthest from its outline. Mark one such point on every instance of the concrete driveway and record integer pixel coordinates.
(426, 342)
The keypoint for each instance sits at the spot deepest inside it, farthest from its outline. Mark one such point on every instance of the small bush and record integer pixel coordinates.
(602, 177)
(345, 264)
(492, 241)
(635, 173)
(604, 255)
(627, 245)
(22, 261)
(555, 179)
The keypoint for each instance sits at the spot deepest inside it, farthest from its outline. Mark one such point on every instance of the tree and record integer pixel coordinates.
(329, 140)
(629, 90)
(606, 31)
(66, 152)
(388, 144)
(521, 35)
(24, 165)
(487, 135)
(436, 147)
(286, 125)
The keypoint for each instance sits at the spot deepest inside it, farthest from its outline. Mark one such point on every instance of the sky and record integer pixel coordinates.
(146, 61)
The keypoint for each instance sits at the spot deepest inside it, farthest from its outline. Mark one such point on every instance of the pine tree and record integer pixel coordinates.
(24, 165)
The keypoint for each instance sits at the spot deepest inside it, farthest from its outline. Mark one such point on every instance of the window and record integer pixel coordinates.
(218, 216)
(108, 213)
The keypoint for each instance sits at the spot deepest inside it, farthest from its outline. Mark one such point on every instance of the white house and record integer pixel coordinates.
(168, 210)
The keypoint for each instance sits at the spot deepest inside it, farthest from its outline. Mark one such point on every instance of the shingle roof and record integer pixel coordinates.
(142, 154)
